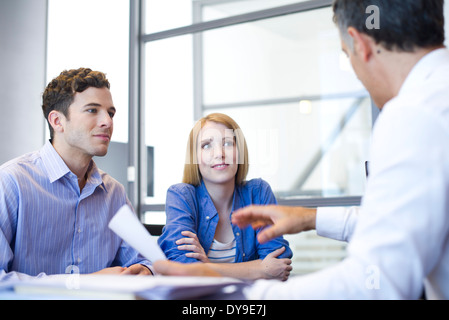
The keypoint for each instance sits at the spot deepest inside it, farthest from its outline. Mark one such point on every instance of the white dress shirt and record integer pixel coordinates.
(399, 240)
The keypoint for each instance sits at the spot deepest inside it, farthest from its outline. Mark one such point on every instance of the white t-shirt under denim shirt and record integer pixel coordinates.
(222, 252)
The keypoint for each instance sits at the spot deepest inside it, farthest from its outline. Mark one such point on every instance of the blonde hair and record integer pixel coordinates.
(192, 173)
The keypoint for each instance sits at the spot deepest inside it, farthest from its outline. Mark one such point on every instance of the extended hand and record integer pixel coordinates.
(280, 219)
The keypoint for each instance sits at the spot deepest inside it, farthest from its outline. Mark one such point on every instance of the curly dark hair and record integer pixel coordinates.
(60, 92)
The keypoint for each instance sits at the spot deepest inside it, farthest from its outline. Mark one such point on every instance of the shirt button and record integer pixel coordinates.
(79, 230)
(244, 254)
(79, 260)
(207, 218)
(237, 234)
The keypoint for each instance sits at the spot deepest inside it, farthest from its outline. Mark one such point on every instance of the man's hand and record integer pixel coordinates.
(111, 270)
(280, 219)
(137, 269)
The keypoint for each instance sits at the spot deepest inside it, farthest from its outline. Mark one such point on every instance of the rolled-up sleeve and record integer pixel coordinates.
(180, 217)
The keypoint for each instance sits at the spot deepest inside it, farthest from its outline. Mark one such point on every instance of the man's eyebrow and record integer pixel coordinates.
(92, 104)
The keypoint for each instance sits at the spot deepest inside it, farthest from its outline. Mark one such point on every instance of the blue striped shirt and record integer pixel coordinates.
(47, 226)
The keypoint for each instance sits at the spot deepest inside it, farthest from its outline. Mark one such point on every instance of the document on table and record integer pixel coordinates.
(126, 225)
(89, 286)
(80, 286)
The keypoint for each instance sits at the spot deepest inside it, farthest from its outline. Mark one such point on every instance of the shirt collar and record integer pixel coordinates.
(424, 69)
(53, 163)
(94, 175)
(56, 167)
(208, 205)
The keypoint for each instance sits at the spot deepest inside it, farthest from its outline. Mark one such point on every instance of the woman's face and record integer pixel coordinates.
(217, 153)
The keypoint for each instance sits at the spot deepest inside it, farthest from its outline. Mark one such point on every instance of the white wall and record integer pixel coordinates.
(22, 79)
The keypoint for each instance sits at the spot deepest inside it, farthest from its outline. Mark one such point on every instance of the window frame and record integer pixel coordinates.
(137, 148)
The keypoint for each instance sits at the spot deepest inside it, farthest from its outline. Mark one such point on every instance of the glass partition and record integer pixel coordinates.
(93, 34)
(310, 148)
(168, 110)
(218, 9)
(287, 83)
(284, 79)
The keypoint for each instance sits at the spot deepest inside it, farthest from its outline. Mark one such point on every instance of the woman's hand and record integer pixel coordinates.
(191, 243)
(274, 268)
(173, 268)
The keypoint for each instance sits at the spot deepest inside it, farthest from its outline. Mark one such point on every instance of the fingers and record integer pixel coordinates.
(259, 215)
(276, 253)
(111, 270)
(136, 269)
(277, 268)
(189, 234)
(199, 256)
(192, 244)
(269, 233)
(288, 269)
(284, 220)
(189, 248)
(189, 244)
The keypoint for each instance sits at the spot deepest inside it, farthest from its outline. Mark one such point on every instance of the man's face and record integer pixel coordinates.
(357, 66)
(367, 70)
(89, 128)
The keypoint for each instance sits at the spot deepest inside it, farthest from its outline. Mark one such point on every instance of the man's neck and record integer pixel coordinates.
(397, 67)
(76, 161)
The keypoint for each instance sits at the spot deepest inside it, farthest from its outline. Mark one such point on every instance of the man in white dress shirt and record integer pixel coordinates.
(399, 237)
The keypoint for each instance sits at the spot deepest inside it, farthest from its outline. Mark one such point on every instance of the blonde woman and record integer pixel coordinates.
(199, 210)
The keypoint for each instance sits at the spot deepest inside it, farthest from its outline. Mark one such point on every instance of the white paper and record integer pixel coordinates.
(126, 225)
(101, 286)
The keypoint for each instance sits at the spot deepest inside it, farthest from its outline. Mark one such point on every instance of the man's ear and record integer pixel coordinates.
(362, 44)
(56, 120)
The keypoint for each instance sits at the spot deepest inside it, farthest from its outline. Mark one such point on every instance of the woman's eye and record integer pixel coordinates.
(228, 143)
(205, 146)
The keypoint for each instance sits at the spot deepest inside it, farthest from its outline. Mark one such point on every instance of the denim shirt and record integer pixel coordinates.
(190, 208)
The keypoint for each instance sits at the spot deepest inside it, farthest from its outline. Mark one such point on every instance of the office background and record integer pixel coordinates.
(275, 66)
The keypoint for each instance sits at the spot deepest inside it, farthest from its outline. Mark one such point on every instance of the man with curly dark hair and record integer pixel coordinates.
(55, 204)
(61, 91)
